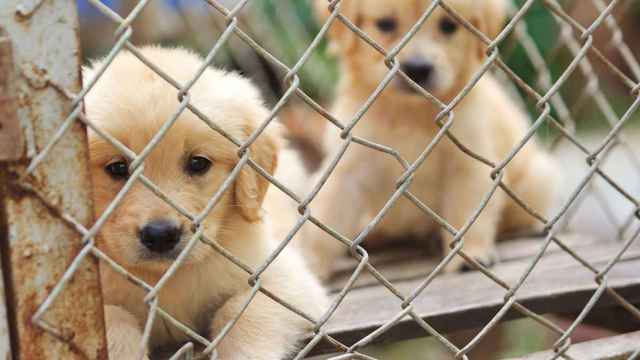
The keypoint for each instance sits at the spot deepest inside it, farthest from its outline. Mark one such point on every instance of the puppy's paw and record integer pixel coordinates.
(124, 337)
(486, 262)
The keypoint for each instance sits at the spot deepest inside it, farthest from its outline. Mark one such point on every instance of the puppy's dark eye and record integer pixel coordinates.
(448, 26)
(198, 165)
(118, 169)
(387, 24)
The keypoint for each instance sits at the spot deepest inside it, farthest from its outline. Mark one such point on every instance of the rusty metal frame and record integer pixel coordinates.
(7, 118)
(43, 213)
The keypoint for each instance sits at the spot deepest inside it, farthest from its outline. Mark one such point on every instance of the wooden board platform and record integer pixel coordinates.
(559, 284)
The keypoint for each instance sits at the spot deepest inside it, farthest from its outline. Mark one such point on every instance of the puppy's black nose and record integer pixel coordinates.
(160, 235)
(419, 70)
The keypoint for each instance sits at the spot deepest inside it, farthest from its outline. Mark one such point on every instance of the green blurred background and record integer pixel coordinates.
(286, 27)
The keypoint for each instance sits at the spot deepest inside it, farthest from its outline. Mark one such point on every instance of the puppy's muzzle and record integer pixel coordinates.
(418, 69)
(160, 235)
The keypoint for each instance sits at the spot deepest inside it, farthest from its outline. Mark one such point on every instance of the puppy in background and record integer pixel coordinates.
(189, 164)
(441, 58)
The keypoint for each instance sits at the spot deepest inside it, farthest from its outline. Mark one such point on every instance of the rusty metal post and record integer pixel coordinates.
(5, 344)
(7, 116)
(42, 214)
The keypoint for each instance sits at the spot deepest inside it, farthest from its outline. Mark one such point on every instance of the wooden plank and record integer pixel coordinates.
(615, 319)
(615, 347)
(406, 262)
(461, 301)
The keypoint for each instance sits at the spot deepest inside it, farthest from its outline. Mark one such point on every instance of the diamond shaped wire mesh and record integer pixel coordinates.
(552, 111)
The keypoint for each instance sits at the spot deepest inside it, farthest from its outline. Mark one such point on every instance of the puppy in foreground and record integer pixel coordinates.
(145, 235)
(441, 58)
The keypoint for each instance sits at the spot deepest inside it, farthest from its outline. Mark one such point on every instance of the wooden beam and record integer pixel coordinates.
(461, 301)
(408, 262)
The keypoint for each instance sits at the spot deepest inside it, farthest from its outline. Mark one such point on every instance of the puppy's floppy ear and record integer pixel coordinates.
(491, 17)
(494, 16)
(341, 38)
(251, 187)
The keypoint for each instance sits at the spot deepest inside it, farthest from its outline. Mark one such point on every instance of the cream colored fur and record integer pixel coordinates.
(130, 102)
(451, 183)
(278, 204)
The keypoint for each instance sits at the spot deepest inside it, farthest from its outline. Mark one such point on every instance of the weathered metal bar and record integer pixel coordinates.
(11, 143)
(7, 118)
(5, 344)
(38, 239)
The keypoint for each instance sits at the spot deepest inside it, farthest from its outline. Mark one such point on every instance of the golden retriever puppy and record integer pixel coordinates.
(189, 164)
(441, 58)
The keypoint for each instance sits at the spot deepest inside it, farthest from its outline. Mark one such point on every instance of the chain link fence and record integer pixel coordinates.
(48, 144)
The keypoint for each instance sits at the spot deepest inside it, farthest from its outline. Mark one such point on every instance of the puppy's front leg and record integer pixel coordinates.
(467, 184)
(123, 334)
(344, 206)
(265, 331)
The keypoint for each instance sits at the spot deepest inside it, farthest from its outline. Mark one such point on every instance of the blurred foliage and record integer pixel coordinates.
(287, 27)
(293, 26)
(544, 32)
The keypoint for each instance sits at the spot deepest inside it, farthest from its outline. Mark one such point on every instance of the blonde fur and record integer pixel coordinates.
(486, 121)
(131, 102)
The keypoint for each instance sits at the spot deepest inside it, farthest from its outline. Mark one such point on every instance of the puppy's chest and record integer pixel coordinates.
(407, 140)
(410, 142)
(427, 186)
(427, 181)
(194, 308)
(193, 298)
